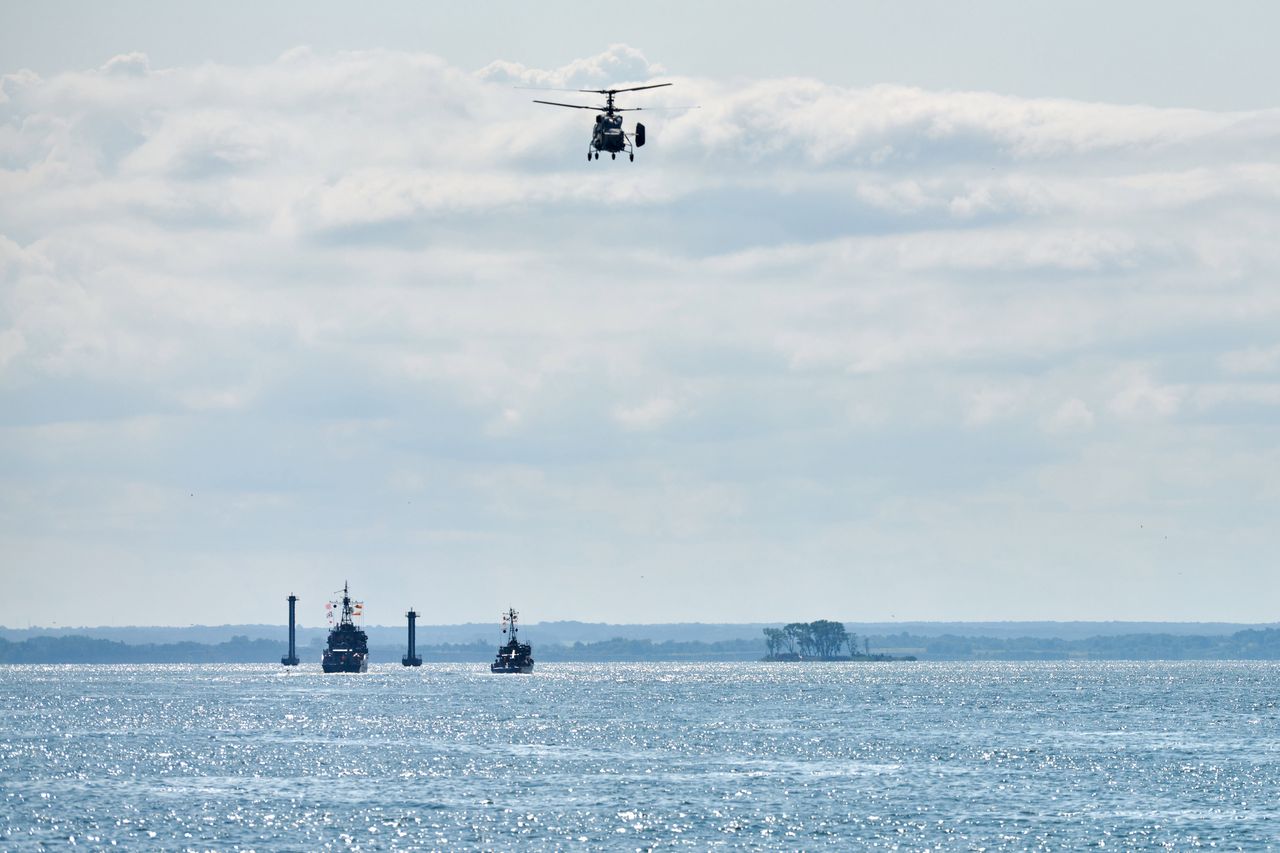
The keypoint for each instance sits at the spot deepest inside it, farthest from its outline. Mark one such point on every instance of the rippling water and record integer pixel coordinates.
(955, 756)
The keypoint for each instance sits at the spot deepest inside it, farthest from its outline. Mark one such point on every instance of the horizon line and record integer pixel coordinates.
(676, 624)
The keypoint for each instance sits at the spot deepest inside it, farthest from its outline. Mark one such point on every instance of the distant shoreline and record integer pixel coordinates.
(388, 646)
(569, 631)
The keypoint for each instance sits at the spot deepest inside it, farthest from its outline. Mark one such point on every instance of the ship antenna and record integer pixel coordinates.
(346, 602)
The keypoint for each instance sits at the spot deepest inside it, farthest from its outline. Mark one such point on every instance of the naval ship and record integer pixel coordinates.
(348, 647)
(514, 656)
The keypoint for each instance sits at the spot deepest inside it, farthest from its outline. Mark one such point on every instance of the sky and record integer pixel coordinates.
(920, 315)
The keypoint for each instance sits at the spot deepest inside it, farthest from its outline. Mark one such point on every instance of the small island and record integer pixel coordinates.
(821, 640)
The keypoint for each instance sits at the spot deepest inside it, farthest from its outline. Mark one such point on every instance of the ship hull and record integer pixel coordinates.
(511, 668)
(345, 663)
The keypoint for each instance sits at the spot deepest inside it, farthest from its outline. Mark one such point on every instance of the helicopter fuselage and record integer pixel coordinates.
(608, 134)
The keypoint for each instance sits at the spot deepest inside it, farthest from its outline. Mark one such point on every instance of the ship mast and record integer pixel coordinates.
(509, 621)
(350, 609)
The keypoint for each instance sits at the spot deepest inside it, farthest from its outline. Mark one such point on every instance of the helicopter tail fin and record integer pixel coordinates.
(639, 134)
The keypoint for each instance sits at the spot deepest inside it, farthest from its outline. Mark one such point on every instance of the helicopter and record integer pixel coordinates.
(608, 135)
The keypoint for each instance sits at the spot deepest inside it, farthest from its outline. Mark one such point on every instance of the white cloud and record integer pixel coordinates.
(128, 64)
(12, 343)
(991, 404)
(612, 68)
(650, 414)
(506, 422)
(1252, 360)
(203, 399)
(1210, 397)
(324, 277)
(1139, 396)
(1071, 416)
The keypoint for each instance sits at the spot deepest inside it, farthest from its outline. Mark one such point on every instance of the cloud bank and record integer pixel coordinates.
(881, 351)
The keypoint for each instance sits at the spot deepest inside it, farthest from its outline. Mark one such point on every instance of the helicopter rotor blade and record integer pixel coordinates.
(631, 89)
(571, 106)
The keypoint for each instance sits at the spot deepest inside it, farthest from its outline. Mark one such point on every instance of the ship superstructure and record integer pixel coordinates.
(348, 646)
(513, 656)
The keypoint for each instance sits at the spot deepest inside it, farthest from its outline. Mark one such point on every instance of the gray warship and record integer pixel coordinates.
(513, 656)
(348, 646)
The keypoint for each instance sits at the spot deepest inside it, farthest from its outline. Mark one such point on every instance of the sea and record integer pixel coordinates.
(791, 756)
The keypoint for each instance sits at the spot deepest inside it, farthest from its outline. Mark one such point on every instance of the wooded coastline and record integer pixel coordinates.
(820, 640)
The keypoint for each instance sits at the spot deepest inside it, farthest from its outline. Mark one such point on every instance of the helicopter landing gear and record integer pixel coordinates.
(633, 157)
(588, 156)
(613, 156)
